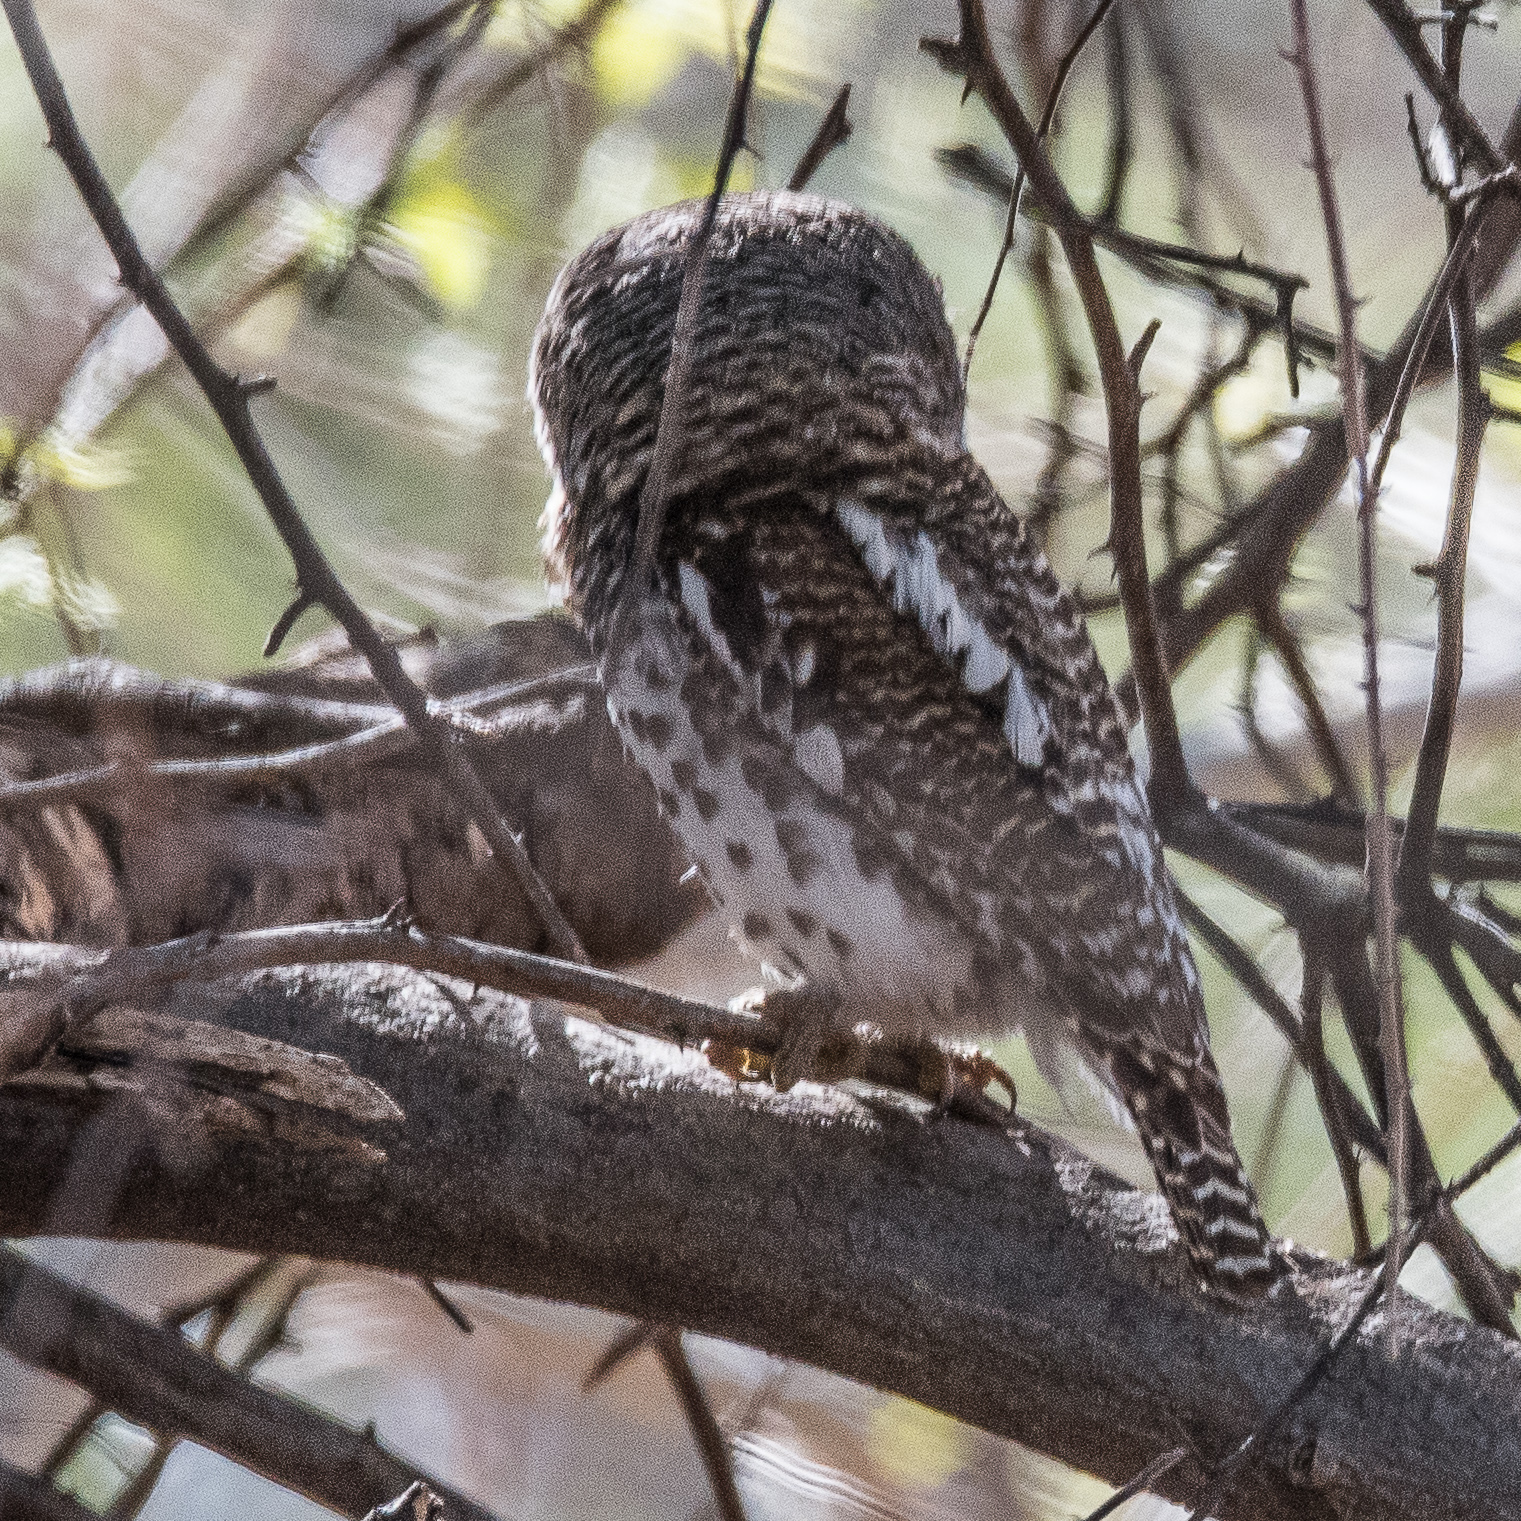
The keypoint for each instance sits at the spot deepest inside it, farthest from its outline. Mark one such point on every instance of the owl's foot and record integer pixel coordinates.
(956, 1079)
(813, 1046)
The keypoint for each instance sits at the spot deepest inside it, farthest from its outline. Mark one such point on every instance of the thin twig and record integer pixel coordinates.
(1148, 1476)
(654, 495)
(376, 742)
(1328, 1096)
(1449, 572)
(1016, 194)
(1172, 264)
(971, 56)
(1380, 850)
(1461, 123)
(623, 1346)
(1290, 653)
(1509, 1143)
(1226, 1471)
(712, 1445)
(834, 130)
(461, 1320)
(1340, 1108)
(229, 398)
(155, 1378)
(41, 1011)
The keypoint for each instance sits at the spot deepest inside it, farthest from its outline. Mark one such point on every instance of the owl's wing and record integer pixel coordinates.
(917, 657)
(918, 663)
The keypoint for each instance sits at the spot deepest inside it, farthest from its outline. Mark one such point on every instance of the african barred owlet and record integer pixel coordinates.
(868, 708)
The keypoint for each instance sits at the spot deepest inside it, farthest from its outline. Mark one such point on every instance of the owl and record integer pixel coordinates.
(868, 708)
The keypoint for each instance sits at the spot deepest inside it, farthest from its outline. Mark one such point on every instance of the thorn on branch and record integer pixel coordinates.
(286, 622)
(1143, 348)
(447, 1305)
(834, 130)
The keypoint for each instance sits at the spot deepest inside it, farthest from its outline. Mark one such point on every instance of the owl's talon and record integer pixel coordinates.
(738, 1062)
(955, 1080)
(812, 1048)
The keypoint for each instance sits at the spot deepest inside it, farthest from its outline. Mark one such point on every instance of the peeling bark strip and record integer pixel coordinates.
(1011, 1283)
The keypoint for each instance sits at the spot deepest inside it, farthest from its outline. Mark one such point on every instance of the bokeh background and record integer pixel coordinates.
(400, 343)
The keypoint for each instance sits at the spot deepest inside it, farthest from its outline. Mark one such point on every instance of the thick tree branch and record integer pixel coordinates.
(1010, 1282)
(155, 1378)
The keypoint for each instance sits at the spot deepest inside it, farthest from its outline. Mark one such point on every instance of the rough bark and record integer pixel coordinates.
(1006, 1280)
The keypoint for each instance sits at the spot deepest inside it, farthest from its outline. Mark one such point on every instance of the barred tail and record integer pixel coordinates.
(1179, 1110)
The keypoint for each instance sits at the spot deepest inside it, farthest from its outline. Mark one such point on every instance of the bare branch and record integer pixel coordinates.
(971, 55)
(654, 494)
(712, 1445)
(156, 1379)
(834, 130)
(550, 1156)
(1380, 848)
(1047, 116)
(229, 397)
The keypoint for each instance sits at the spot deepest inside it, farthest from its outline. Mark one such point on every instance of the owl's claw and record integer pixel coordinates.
(954, 1079)
(812, 1047)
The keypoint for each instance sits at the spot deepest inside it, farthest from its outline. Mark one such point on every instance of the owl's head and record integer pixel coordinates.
(822, 354)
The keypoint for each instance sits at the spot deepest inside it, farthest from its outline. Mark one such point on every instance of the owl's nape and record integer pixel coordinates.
(867, 707)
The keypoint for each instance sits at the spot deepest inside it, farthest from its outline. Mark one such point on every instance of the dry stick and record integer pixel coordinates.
(1380, 868)
(1508, 1143)
(1016, 194)
(1471, 928)
(712, 1445)
(971, 56)
(1155, 259)
(1143, 1480)
(229, 398)
(462, 1321)
(1405, 28)
(1224, 1472)
(835, 128)
(575, 35)
(35, 1014)
(654, 496)
(1344, 1115)
(269, 1336)
(623, 1346)
(1437, 951)
(222, 1305)
(1121, 151)
(1335, 835)
(1448, 574)
(1290, 653)
(88, 982)
(1325, 1077)
(375, 742)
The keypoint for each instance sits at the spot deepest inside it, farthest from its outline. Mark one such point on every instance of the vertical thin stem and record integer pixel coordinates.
(1450, 569)
(1380, 856)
